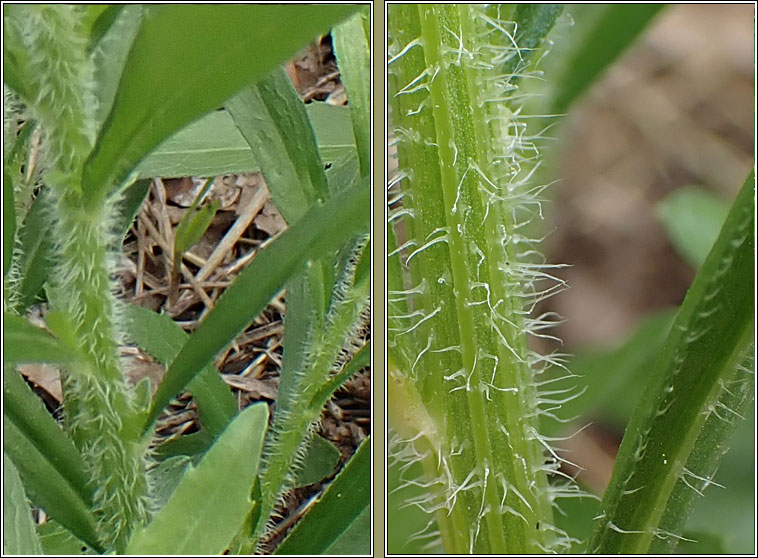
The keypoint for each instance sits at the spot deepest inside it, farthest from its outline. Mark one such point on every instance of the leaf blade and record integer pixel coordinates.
(709, 340)
(167, 84)
(217, 492)
(328, 523)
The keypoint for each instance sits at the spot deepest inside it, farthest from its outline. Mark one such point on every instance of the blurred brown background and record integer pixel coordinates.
(677, 109)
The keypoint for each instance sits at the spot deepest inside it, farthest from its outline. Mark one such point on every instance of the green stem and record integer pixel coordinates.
(463, 333)
(101, 416)
(286, 445)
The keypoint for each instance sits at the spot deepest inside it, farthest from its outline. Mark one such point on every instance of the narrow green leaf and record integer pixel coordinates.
(160, 336)
(35, 255)
(318, 233)
(192, 227)
(211, 501)
(24, 342)
(692, 218)
(168, 82)
(213, 145)
(19, 535)
(9, 222)
(601, 35)
(352, 49)
(360, 360)
(700, 377)
(320, 461)
(534, 23)
(330, 523)
(26, 411)
(272, 119)
(52, 469)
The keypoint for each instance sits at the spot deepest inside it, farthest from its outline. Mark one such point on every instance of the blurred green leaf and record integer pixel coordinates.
(337, 524)
(692, 218)
(19, 536)
(101, 19)
(615, 378)
(317, 234)
(211, 501)
(24, 342)
(169, 81)
(600, 34)
(407, 523)
(320, 460)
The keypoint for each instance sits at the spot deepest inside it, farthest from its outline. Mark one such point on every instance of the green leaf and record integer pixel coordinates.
(272, 119)
(9, 222)
(692, 218)
(160, 336)
(19, 536)
(192, 227)
(110, 55)
(35, 255)
(190, 445)
(601, 34)
(318, 233)
(534, 23)
(337, 524)
(165, 477)
(168, 81)
(211, 501)
(699, 386)
(24, 342)
(352, 49)
(320, 461)
(213, 145)
(361, 359)
(51, 467)
(58, 541)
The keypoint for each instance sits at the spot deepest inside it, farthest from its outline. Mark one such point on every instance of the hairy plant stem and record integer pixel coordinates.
(458, 338)
(101, 415)
(285, 448)
(54, 73)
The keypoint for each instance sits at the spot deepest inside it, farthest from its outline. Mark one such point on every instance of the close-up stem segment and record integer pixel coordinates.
(467, 275)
